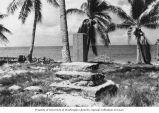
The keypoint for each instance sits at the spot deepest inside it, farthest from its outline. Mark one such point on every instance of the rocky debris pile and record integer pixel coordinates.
(78, 82)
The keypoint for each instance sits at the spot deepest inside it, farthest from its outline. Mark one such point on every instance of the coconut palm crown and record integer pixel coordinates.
(97, 21)
(144, 13)
(3, 38)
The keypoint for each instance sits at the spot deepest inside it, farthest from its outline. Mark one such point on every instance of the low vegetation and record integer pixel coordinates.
(23, 98)
(136, 88)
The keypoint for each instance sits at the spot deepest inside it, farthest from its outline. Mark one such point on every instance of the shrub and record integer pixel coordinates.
(130, 97)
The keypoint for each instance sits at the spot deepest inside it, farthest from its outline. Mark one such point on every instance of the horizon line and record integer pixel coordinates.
(70, 46)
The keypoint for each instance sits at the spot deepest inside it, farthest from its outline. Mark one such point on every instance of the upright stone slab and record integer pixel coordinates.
(80, 47)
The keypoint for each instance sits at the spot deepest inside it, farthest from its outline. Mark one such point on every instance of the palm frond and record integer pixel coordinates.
(95, 6)
(149, 20)
(3, 16)
(137, 8)
(101, 5)
(3, 38)
(3, 29)
(149, 2)
(103, 20)
(13, 6)
(26, 9)
(111, 27)
(104, 15)
(120, 13)
(152, 25)
(37, 6)
(54, 3)
(102, 30)
(84, 7)
(76, 11)
(124, 25)
(150, 14)
(154, 9)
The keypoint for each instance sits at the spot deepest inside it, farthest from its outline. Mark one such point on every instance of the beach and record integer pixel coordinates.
(119, 53)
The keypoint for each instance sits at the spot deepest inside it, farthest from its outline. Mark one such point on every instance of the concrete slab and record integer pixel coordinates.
(76, 76)
(88, 92)
(79, 66)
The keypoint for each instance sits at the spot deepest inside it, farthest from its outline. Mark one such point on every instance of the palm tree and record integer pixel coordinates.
(97, 21)
(3, 38)
(64, 29)
(64, 33)
(144, 13)
(27, 6)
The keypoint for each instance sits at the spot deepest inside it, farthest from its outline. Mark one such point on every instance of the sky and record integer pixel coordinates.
(48, 32)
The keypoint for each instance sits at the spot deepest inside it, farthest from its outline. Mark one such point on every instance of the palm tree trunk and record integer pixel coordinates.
(88, 46)
(32, 42)
(64, 33)
(138, 60)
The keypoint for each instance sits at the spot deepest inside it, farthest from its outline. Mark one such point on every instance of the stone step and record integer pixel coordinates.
(75, 76)
(79, 66)
(98, 92)
(88, 92)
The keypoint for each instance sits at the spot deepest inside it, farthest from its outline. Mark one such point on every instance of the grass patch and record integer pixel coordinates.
(131, 97)
(24, 100)
(7, 81)
(135, 89)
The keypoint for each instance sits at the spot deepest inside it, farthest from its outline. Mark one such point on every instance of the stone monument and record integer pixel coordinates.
(80, 47)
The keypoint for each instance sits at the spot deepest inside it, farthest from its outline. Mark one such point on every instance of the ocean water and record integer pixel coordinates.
(119, 53)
